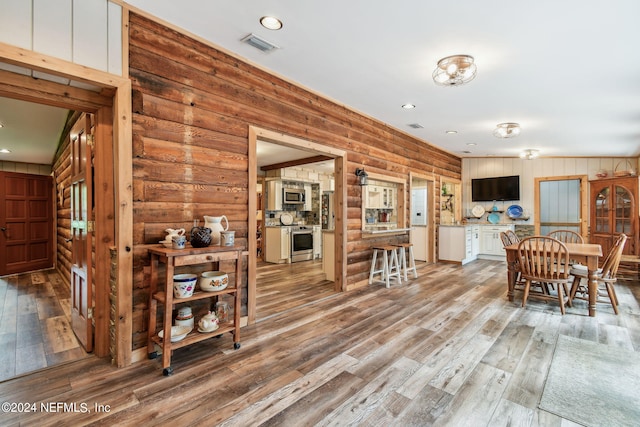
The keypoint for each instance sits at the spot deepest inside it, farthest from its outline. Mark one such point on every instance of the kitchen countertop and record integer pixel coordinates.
(386, 231)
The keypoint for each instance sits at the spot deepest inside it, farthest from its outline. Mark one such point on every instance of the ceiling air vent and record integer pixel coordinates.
(259, 43)
(416, 126)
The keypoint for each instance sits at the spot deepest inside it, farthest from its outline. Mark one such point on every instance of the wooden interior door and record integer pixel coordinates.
(26, 222)
(81, 233)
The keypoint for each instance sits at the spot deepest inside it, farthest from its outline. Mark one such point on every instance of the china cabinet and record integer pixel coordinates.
(173, 258)
(614, 210)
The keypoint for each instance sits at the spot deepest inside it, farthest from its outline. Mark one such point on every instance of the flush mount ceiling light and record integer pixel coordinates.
(408, 106)
(529, 154)
(271, 22)
(4, 151)
(454, 70)
(451, 132)
(507, 130)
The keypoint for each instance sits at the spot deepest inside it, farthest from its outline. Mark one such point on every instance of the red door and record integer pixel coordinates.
(26, 222)
(81, 233)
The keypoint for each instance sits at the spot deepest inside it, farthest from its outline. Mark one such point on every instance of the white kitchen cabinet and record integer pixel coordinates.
(475, 241)
(380, 197)
(274, 195)
(317, 242)
(490, 242)
(278, 245)
(455, 243)
(308, 198)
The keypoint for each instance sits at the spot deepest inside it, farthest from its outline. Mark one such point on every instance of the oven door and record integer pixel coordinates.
(301, 245)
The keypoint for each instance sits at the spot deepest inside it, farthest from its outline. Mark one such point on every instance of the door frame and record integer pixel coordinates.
(114, 220)
(340, 161)
(431, 211)
(584, 200)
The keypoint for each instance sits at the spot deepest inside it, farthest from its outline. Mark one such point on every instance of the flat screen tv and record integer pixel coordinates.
(497, 188)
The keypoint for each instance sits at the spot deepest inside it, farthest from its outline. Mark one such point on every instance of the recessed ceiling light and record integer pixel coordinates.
(451, 132)
(4, 151)
(471, 144)
(1, 125)
(408, 106)
(271, 22)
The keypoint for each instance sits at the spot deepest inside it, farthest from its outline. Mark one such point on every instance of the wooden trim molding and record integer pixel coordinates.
(117, 92)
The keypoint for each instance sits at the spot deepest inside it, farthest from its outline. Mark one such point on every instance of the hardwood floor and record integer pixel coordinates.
(35, 328)
(444, 349)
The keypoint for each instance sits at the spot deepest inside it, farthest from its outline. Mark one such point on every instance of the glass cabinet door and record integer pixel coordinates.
(622, 211)
(602, 212)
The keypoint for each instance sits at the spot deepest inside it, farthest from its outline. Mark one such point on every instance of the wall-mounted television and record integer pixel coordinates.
(497, 188)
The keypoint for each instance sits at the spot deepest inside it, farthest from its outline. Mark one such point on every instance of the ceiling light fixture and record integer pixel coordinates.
(506, 130)
(454, 70)
(408, 106)
(451, 132)
(529, 154)
(271, 22)
(4, 151)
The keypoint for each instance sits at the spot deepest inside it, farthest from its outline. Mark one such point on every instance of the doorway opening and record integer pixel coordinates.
(278, 281)
(422, 216)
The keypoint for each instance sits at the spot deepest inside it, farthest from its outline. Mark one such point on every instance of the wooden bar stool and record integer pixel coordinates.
(403, 259)
(390, 265)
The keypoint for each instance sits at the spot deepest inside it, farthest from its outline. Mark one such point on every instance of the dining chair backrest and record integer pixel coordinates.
(513, 237)
(505, 239)
(612, 260)
(566, 236)
(543, 257)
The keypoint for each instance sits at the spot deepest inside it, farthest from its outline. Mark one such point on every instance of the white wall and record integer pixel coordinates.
(86, 32)
(528, 170)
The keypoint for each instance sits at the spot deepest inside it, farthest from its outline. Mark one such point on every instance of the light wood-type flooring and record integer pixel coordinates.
(444, 349)
(35, 328)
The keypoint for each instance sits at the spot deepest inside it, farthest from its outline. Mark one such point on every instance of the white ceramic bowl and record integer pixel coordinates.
(184, 285)
(212, 281)
(166, 244)
(177, 333)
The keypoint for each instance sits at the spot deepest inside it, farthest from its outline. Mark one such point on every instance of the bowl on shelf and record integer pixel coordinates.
(177, 333)
(212, 281)
(184, 285)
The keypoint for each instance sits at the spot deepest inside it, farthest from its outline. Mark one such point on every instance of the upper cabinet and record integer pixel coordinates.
(383, 203)
(614, 210)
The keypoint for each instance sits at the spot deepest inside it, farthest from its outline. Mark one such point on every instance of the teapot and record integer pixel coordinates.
(171, 233)
(200, 236)
(208, 323)
(215, 224)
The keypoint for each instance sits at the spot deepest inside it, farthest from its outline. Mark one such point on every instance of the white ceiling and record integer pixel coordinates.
(567, 71)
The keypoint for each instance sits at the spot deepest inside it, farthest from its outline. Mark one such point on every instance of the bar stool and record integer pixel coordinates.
(390, 265)
(403, 259)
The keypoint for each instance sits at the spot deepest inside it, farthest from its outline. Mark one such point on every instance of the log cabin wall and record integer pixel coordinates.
(62, 182)
(192, 108)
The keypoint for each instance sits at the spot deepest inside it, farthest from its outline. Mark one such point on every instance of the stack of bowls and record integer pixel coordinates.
(185, 318)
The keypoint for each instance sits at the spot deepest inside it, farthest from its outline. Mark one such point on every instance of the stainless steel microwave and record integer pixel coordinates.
(292, 196)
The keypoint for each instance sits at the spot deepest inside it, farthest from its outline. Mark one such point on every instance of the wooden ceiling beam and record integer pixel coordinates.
(291, 163)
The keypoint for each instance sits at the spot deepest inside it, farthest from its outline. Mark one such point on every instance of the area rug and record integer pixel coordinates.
(593, 384)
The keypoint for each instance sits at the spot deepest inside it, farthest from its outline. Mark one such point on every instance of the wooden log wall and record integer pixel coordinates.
(62, 177)
(193, 105)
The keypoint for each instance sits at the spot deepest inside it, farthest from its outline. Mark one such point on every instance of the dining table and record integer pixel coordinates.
(585, 253)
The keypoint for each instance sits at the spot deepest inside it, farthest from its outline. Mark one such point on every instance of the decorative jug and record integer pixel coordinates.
(200, 236)
(171, 233)
(215, 224)
(208, 323)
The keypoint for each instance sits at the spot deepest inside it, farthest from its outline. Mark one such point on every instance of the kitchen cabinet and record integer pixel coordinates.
(317, 242)
(173, 258)
(278, 245)
(380, 197)
(308, 198)
(274, 195)
(456, 244)
(490, 242)
(614, 209)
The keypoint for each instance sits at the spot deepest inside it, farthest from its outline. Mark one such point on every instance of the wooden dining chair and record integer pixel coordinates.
(513, 237)
(566, 236)
(606, 276)
(544, 260)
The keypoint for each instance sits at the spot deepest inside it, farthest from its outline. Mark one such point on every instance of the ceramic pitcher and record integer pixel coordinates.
(215, 224)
